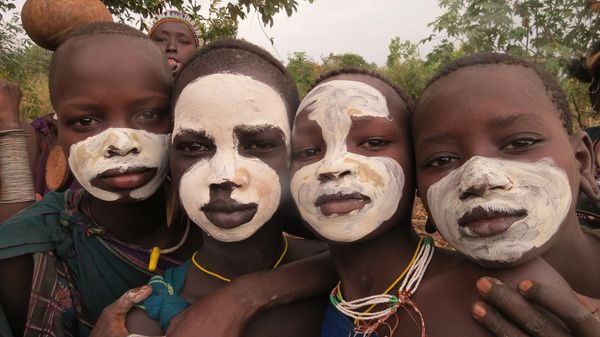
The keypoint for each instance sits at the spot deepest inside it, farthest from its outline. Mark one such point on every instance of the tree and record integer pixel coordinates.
(347, 60)
(304, 70)
(548, 33)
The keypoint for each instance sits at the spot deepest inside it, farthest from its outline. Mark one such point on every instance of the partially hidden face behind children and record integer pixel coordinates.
(112, 95)
(175, 35)
(496, 166)
(230, 153)
(352, 161)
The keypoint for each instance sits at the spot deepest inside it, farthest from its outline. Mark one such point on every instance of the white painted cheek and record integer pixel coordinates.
(258, 183)
(541, 188)
(133, 148)
(379, 178)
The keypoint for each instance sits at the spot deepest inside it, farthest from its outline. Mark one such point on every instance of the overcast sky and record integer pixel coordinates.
(364, 27)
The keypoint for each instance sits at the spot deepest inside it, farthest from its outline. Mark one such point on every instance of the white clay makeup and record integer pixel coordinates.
(121, 163)
(496, 210)
(373, 184)
(218, 105)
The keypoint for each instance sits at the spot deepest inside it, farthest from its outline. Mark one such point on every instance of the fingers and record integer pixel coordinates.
(518, 310)
(134, 296)
(494, 322)
(577, 312)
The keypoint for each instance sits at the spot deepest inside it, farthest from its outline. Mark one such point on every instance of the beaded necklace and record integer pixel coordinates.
(367, 322)
(225, 279)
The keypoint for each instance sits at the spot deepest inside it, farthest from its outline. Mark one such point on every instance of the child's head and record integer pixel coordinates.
(352, 159)
(111, 90)
(497, 165)
(176, 34)
(230, 153)
(587, 70)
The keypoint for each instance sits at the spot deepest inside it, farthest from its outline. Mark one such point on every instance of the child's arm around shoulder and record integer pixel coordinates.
(513, 306)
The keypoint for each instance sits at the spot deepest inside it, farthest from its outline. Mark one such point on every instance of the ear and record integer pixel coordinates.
(586, 158)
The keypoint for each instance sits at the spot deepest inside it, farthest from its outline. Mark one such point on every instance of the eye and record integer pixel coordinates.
(185, 42)
(260, 146)
(148, 115)
(374, 144)
(521, 144)
(193, 148)
(306, 153)
(441, 161)
(85, 123)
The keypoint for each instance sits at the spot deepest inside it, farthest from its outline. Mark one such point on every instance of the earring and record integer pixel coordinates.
(58, 177)
(429, 226)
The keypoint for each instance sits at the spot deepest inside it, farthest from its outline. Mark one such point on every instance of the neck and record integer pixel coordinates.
(574, 245)
(369, 267)
(232, 259)
(140, 222)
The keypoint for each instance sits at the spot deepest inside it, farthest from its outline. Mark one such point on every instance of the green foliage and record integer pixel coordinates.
(347, 60)
(304, 70)
(26, 64)
(548, 33)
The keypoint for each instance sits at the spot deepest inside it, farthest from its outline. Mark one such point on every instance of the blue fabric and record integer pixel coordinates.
(165, 302)
(337, 324)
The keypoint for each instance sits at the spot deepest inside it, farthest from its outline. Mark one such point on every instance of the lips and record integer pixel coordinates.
(174, 64)
(129, 179)
(341, 203)
(483, 222)
(228, 213)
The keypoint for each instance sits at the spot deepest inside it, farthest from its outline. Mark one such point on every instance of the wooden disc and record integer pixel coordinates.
(57, 169)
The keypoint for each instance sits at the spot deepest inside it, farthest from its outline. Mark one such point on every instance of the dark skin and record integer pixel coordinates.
(98, 88)
(256, 253)
(176, 41)
(531, 130)
(526, 126)
(10, 101)
(369, 266)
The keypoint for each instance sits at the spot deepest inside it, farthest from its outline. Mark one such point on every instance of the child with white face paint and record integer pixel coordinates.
(352, 134)
(113, 126)
(499, 170)
(230, 160)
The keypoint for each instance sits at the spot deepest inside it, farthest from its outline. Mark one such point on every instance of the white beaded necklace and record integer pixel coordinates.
(411, 278)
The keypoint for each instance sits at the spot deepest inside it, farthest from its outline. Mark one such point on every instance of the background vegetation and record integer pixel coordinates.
(549, 33)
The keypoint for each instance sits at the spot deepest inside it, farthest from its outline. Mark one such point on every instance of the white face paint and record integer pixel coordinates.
(217, 105)
(380, 179)
(98, 162)
(528, 201)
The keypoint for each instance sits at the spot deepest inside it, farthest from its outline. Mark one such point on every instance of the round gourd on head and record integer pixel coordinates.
(49, 22)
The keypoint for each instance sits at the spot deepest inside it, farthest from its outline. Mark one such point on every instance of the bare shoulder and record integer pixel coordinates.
(299, 248)
(139, 323)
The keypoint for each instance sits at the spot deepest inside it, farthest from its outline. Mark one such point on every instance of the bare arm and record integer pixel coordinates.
(16, 145)
(507, 312)
(249, 294)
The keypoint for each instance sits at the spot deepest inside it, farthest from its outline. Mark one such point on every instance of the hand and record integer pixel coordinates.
(111, 322)
(223, 313)
(564, 313)
(10, 101)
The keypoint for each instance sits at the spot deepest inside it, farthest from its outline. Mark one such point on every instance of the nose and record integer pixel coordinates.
(477, 181)
(171, 45)
(224, 186)
(121, 144)
(327, 176)
(224, 166)
(333, 169)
